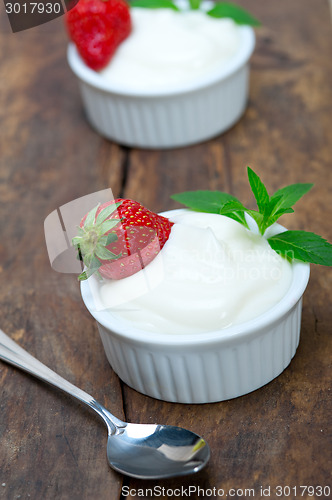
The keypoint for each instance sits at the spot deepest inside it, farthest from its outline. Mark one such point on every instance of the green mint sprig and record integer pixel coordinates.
(154, 4)
(293, 245)
(238, 14)
(220, 10)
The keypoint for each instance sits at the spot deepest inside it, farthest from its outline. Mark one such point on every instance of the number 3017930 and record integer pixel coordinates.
(33, 7)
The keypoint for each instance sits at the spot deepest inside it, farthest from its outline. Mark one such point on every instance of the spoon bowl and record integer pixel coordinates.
(156, 451)
(144, 451)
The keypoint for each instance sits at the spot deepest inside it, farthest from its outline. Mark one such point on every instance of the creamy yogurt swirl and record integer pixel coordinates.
(212, 273)
(168, 47)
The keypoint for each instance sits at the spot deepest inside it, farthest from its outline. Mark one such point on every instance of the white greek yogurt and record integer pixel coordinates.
(168, 47)
(211, 273)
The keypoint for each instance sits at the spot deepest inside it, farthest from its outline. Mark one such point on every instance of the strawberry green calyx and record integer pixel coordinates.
(119, 238)
(94, 235)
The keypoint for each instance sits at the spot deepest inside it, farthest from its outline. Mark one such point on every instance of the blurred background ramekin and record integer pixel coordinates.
(179, 116)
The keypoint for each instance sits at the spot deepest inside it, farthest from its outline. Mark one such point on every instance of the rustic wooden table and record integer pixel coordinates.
(51, 447)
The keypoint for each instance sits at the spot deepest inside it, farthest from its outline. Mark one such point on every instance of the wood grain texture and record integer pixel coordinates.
(51, 447)
(280, 433)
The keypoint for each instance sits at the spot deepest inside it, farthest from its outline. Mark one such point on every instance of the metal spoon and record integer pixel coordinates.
(144, 451)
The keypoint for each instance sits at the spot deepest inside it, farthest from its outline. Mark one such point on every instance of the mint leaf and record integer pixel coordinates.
(230, 206)
(269, 214)
(194, 4)
(259, 191)
(239, 15)
(273, 218)
(154, 4)
(258, 217)
(304, 246)
(234, 210)
(281, 202)
(204, 201)
(283, 211)
(289, 195)
(271, 208)
(213, 202)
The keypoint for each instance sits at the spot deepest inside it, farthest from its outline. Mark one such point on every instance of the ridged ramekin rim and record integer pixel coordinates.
(237, 333)
(91, 77)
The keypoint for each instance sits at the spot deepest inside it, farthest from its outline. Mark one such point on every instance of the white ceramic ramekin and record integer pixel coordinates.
(206, 367)
(179, 116)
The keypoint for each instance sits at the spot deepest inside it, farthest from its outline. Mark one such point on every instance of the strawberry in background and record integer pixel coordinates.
(97, 27)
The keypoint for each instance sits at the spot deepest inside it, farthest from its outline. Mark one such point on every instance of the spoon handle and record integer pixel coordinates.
(12, 353)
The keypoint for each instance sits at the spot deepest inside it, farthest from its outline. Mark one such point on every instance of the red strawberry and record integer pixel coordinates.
(119, 238)
(97, 27)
